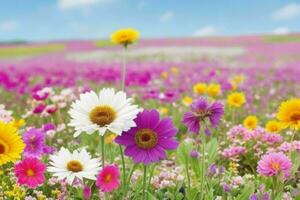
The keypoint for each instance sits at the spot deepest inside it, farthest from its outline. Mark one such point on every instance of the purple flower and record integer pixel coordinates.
(149, 140)
(194, 154)
(226, 188)
(212, 169)
(266, 196)
(48, 127)
(254, 197)
(200, 111)
(34, 140)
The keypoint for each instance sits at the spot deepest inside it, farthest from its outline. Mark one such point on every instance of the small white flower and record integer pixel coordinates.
(106, 111)
(79, 164)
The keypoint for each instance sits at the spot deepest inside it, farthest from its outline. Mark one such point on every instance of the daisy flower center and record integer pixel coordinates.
(275, 166)
(3, 147)
(30, 172)
(74, 166)
(145, 138)
(102, 115)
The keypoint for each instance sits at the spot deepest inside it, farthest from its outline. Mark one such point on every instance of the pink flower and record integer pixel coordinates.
(273, 164)
(39, 108)
(30, 172)
(271, 138)
(234, 151)
(87, 192)
(108, 178)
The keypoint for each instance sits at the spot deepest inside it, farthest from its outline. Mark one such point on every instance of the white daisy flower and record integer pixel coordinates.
(106, 111)
(79, 164)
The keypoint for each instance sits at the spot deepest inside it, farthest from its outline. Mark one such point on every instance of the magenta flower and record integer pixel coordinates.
(273, 164)
(39, 108)
(149, 140)
(35, 143)
(30, 172)
(200, 111)
(108, 178)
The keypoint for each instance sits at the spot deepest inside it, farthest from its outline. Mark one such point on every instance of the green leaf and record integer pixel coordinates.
(212, 150)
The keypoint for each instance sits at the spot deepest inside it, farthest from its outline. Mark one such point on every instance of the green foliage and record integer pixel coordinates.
(22, 51)
(104, 43)
(282, 38)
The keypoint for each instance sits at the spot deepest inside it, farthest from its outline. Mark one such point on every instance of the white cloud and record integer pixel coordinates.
(288, 11)
(281, 31)
(77, 4)
(8, 25)
(167, 16)
(205, 31)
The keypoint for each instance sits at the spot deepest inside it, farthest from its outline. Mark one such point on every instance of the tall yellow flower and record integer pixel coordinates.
(273, 126)
(250, 122)
(236, 99)
(200, 88)
(213, 89)
(125, 36)
(289, 113)
(11, 144)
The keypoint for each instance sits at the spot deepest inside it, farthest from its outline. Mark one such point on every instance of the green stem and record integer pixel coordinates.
(188, 175)
(144, 182)
(273, 195)
(151, 174)
(123, 169)
(203, 165)
(128, 179)
(102, 150)
(124, 68)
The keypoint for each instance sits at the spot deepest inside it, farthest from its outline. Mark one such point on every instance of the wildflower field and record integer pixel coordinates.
(144, 119)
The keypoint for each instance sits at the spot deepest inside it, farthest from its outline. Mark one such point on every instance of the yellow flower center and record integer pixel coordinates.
(275, 166)
(145, 138)
(107, 178)
(74, 166)
(295, 117)
(30, 172)
(102, 115)
(3, 147)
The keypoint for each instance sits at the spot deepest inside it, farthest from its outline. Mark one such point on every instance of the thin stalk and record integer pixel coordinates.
(123, 169)
(188, 175)
(203, 165)
(128, 179)
(144, 182)
(124, 68)
(102, 150)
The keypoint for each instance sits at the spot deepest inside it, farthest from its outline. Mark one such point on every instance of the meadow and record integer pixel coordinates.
(214, 118)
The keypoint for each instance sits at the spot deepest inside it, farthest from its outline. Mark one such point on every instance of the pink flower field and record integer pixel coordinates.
(183, 118)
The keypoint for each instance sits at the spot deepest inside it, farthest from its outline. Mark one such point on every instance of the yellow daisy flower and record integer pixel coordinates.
(250, 122)
(289, 113)
(11, 144)
(18, 123)
(213, 89)
(236, 99)
(273, 126)
(187, 100)
(125, 36)
(199, 88)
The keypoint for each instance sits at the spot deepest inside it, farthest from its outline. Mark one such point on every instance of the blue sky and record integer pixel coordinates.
(89, 19)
